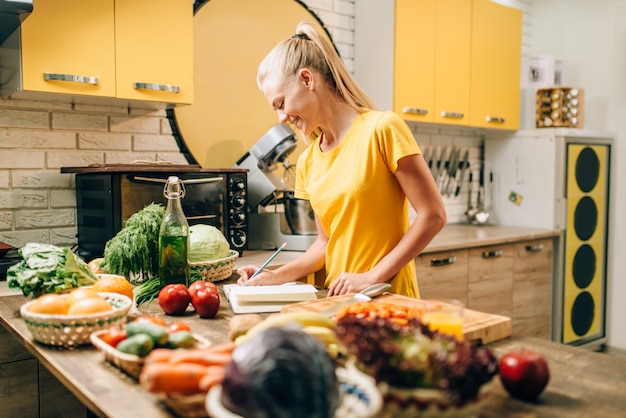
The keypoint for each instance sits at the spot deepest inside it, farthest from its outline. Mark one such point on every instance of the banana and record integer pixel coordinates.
(325, 335)
(301, 318)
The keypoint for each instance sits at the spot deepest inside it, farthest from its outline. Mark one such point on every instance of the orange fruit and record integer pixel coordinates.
(80, 293)
(114, 284)
(89, 306)
(50, 304)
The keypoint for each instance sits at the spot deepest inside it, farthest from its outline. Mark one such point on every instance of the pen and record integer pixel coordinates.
(269, 260)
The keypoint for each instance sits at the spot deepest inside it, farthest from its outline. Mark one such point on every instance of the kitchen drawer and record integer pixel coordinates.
(18, 389)
(10, 349)
(532, 288)
(443, 275)
(490, 279)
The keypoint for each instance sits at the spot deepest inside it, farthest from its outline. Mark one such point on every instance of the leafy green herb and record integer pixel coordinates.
(47, 268)
(148, 290)
(133, 252)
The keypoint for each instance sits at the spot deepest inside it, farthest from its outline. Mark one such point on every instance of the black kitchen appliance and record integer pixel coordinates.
(107, 195)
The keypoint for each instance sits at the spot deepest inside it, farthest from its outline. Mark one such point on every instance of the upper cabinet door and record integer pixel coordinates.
(496, 65)
(154, 50)
(67, 47)
(414, 66)
(452, 61)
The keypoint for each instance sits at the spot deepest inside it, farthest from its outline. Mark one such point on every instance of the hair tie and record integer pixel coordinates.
(301, 36)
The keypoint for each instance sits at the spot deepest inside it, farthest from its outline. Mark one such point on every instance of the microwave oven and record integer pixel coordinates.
(107, 196)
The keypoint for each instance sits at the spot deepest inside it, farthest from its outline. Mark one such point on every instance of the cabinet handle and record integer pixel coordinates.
(495, 119)
(170, 88)
(72, 78)
(534, 248)
(493, 254)
(414, 111)
(436, 262)
(455, 115)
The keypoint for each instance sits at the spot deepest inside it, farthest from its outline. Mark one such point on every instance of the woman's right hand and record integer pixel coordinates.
(266, 277)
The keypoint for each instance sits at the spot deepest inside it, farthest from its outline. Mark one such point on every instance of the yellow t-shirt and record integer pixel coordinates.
(352, 188)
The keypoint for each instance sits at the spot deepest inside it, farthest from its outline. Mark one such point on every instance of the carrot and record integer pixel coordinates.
(214, 376)
(172, 378)
(159, 355)
(226, 347)
(203, 357)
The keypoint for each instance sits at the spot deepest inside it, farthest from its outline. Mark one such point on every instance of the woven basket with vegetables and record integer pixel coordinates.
(210, 256)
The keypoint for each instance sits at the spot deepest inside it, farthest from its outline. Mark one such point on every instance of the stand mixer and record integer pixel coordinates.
(275, 215)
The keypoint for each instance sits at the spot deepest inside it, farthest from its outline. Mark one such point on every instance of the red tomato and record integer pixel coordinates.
(114, 336)
(206, 301)
(199, 284)
(178, 326)
(150, 319)
(174, 299)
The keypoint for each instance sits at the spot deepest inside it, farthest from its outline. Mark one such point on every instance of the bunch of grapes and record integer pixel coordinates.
(413, 356)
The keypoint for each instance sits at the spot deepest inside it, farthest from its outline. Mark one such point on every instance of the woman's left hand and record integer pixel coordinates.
(350, 283)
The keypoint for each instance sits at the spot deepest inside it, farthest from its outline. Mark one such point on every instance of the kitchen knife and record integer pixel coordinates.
(464, 167)
(441, 167)
(452, 167)
(364, 295)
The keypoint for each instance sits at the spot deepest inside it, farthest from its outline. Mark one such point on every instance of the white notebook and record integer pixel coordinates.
(258, 299)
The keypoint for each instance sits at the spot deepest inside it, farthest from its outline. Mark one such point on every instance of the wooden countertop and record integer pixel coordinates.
(583, 383)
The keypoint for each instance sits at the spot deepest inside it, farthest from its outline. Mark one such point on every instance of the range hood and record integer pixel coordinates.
(12, 13)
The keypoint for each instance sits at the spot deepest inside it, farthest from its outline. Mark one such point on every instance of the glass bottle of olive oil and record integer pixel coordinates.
(174, 236)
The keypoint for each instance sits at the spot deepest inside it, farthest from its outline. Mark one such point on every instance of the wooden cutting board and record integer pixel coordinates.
(480, 327)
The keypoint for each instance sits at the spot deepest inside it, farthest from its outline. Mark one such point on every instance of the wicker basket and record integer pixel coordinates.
(129, 363)
(216, 270)
(74, 330)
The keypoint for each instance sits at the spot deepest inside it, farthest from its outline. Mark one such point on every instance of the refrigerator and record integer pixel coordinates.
(559, 178)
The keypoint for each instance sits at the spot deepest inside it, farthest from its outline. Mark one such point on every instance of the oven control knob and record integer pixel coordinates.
(239, 238)
(238, 217)
(237, 185)
(238, 201)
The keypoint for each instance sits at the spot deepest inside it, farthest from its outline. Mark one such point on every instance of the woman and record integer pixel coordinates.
(357, 172)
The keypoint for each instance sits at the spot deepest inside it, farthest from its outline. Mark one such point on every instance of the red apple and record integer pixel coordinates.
(524, 373)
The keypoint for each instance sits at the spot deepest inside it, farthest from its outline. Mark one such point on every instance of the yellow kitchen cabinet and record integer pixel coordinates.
(457, 62)
(496, 66)
(125, 49)
(414, 67)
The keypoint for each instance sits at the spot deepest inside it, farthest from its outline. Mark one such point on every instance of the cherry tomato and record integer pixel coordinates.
(199, 284)
(114, 336)
(174, 299)
(150, 319)
(206, 301)
(178, 326)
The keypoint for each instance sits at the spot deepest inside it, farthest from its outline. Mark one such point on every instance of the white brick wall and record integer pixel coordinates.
(37, 202)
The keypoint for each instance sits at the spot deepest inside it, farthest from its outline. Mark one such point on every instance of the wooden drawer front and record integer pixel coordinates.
(56, 400)
(443, 275)
(532, 295)
(18, 396)
(10, 349)
(490, 283)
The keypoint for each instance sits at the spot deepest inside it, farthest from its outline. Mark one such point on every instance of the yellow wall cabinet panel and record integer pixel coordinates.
(452, 61)
(414, 55)
(124, 49)
(154, 50)
(68, 48)
(496, 65)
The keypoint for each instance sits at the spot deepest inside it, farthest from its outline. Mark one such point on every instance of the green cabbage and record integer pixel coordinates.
(206, 243)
